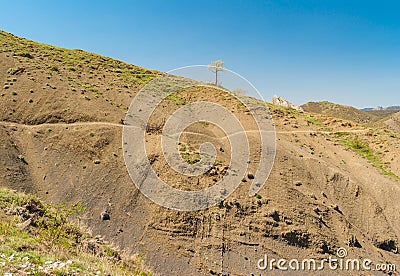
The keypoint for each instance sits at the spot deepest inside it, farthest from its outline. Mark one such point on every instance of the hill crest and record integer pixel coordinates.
(334, 181)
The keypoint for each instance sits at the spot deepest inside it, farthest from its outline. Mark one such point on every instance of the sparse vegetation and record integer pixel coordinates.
(24, 54)
(191, 158)
(304, 218)
(174, 97)
(341, 112)
(54, 68)
(312, 121)
(39, 239)
(354, 143)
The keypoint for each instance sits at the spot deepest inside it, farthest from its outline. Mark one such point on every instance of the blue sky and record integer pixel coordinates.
(342, 51)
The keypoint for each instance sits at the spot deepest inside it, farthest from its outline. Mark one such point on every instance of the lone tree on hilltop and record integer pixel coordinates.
(215, 67)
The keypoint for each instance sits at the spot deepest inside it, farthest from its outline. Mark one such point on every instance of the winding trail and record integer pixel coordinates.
(323, 132)
(13, 124)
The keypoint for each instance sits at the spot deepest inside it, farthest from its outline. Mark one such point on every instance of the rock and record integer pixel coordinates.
(25, 224)
(18, 71)
(336, 208)
(250, 176)
(276, 100)
(353, 242)
(389, 245)
(275, 215)
(105, 216)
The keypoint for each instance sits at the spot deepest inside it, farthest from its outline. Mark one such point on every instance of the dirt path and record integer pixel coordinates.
(323, 132)
(12, 124)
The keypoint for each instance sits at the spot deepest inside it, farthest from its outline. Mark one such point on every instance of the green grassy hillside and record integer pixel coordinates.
(341, 112)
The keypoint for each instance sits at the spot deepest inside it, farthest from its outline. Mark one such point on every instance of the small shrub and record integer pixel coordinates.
(54, 68)
(91, 134)
(24, 54)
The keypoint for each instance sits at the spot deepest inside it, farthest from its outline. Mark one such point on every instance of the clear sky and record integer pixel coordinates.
(343, 51)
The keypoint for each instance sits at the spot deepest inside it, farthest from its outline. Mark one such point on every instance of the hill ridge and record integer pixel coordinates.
(333, 183)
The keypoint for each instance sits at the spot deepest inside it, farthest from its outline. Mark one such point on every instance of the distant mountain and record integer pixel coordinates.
(396, 107)
(382, 112)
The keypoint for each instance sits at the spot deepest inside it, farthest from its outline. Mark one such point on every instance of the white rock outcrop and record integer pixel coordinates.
(276, 100)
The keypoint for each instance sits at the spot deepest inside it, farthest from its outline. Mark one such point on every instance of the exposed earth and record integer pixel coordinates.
(335, 181)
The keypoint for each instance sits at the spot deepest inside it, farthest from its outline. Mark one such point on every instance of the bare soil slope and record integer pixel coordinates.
(394, 122)
(334, 183)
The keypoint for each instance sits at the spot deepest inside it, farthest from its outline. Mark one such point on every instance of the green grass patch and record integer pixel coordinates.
(362, 148)
(176, 99)
(313, 121)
